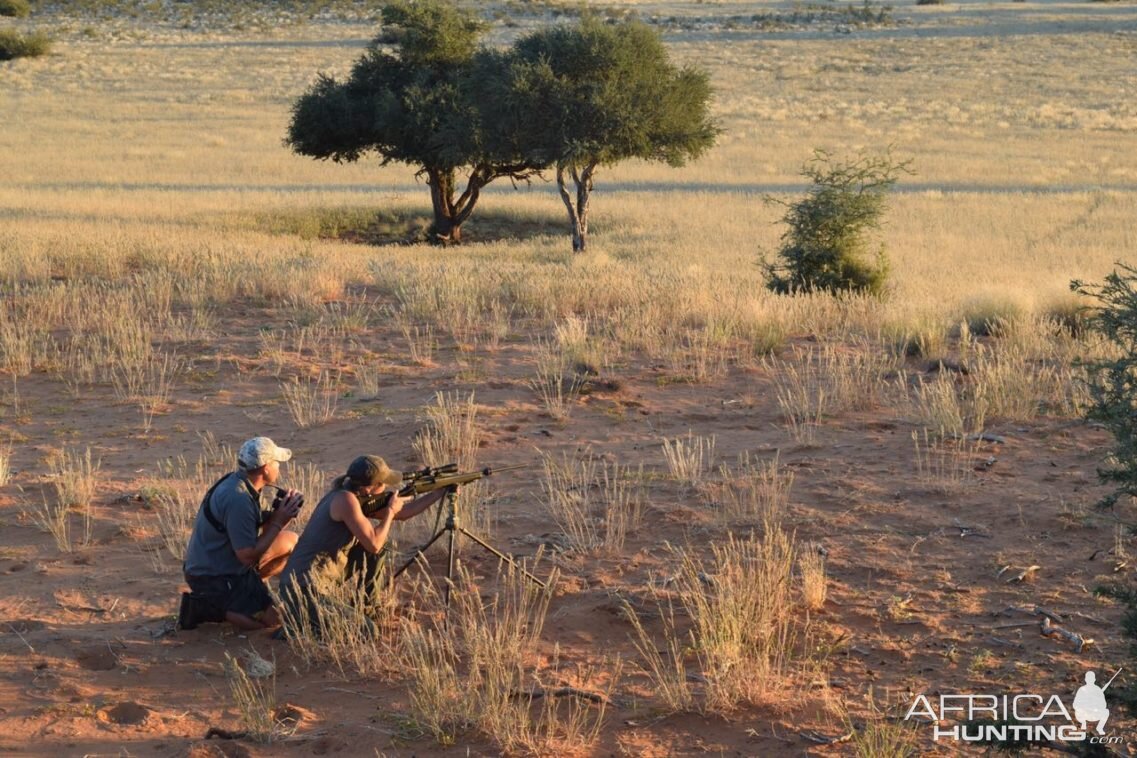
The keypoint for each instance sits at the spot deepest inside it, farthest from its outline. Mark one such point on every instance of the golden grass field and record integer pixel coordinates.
(171, 284)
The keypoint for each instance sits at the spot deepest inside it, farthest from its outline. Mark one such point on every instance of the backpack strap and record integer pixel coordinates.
(207, 509)
(207, 504)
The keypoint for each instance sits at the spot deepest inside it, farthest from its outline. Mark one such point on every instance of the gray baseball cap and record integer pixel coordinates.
(259, 451)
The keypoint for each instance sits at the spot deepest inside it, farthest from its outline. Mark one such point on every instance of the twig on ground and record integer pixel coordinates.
(1005, 643)
(1049, 630)
(822, 739)
(351, 692)
(1035, 611)
(1018, 575)
(16, 632)
(534, 694)
(1093, 619)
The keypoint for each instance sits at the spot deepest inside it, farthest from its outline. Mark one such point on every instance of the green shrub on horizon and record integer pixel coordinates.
(13, 44)
(826, 247)
(15, 8)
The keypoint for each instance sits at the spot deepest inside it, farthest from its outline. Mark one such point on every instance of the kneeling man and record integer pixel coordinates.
(235, 546)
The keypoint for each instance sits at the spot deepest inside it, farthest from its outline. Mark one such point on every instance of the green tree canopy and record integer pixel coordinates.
(594, 94)
(409, 100)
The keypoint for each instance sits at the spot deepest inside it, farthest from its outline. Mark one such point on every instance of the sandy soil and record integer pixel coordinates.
(916, 600)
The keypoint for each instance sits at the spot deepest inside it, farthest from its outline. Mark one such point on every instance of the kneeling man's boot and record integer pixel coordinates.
(194, 610)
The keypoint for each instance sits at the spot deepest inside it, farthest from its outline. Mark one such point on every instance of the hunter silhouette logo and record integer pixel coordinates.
(1089, 702)
(1025, 716)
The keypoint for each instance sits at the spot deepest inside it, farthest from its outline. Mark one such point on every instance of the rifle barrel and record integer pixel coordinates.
(487, 471)
(436, 481)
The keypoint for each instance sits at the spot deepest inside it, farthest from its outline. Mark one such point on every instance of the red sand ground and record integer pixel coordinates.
(915, 606)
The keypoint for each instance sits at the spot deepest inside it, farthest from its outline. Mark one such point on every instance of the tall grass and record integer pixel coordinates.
(74, 479)
(5, 464)
(802, 397)
(811, 563)
(689, 460)
(481, 673)
(753, 490)
(743, 625)
(345, 623)
(173, 516)
(667, 668)
(452, 435)
(175, 496)
(311, 400)
(557, 384)
(944, 463)
(595, 504)
(254, 696)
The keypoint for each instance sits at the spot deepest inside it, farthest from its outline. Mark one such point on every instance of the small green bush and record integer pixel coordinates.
(1112, 381)
(13, 44)
(826, 247)
(929, 2)
(15, 8)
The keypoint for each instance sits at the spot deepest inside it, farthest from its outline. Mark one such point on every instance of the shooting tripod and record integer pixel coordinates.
(453, 527)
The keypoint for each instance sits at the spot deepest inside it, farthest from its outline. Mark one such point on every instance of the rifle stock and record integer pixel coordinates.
(429, 480)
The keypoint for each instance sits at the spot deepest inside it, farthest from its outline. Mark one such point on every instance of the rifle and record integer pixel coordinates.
(428, 479)
(448, 478)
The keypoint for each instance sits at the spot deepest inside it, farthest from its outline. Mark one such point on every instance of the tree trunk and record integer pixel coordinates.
(451, 213)
(578, 210)
(441, 185)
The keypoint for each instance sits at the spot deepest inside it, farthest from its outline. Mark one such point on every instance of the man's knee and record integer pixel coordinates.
(283, 545)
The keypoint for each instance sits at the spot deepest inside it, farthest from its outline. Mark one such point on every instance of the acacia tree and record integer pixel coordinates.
(594, 94)
(409, 100)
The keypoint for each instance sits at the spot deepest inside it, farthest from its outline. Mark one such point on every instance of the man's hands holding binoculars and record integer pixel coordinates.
(285, 507)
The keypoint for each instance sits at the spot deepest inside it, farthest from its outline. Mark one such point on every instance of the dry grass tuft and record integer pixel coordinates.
(743, 625)
(882, 736)
(595, 504)
(311, 400)
(944, 463)
(556, 383)
(346, 623)
(451, 434)
(5, 464)
(479, 673)
(754, 491)
(689, 460)
(74, 478)
(811, 563)
(254, 695)
(666, 668)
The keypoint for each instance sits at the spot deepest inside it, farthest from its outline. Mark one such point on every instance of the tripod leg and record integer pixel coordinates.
(450, 569)
(500, 555)
(420, 551)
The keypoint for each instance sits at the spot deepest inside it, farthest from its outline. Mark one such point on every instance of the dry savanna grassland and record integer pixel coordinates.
(768, 522)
